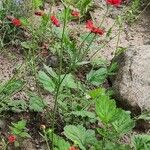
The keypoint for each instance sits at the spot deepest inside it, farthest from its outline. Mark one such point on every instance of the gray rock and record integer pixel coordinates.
(132, 82)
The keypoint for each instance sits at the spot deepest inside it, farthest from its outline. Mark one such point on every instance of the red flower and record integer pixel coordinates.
(73, 148)
(114, 2)
(16, 22)
(75, 13)
(97, 31)
(39, 13)
(55, 21)
(90, 25)
(11, 138)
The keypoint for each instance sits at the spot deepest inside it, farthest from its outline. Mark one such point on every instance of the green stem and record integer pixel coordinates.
(118, 40)
(104, 45)
(59, 78)
(46, 139)
(86, 50)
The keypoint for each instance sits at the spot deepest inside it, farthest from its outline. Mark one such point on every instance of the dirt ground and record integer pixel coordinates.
(135, 34)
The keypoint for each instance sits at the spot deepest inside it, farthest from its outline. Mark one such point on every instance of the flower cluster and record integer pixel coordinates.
(90, 25)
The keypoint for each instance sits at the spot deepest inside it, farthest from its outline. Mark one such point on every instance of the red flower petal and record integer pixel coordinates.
(55, 21)
(114, 2)
(89, 24)
(11, 138)
(16, 22)
(97, 31)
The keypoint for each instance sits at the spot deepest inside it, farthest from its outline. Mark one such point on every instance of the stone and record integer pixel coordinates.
(131, 84)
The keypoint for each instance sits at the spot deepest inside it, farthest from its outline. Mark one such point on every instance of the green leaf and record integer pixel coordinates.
(97, 77)
(96, 93)
(141, 142)
(19, 129)
(47, 82)
(37, 3)
(124, 123)
(145, 116)
(36, 103)
(11, 87)
(24, 21)
(24, 135)
(84, 113)
(80, 136)
(107, 134)
(113, 68)
(51, 71)
(28, 45)
(20, 124)
(69, 81)
(17, 105)
(106, 109)
(59, 142)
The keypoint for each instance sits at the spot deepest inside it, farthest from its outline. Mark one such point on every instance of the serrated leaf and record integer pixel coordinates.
(84, 113)
(20, 124)
(141, 142)
(12, 87)
(69, 81)
(96, 93)
(19, 129)
(59, 142)
(106, 109)
(47, 82)
(36, 103)
(124, 123)
(80, 135)
(17, 105)
(97, 77)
